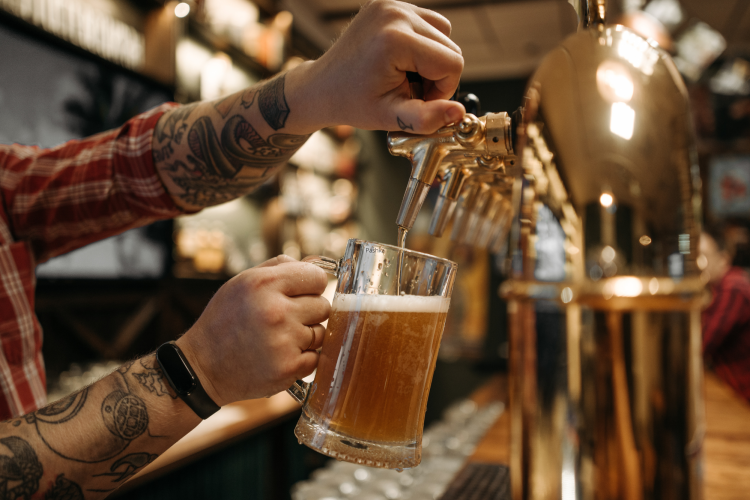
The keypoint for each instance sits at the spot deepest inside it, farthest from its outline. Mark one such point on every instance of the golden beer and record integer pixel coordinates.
(376, 366)
(367, 402)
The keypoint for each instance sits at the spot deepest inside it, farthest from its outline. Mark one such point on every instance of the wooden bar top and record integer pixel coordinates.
(726, 456)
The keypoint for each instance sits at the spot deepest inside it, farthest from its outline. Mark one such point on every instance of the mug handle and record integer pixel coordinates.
(300, 389)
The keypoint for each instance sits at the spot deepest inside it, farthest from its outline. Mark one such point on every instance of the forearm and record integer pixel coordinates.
(210, 152)
(91, 442)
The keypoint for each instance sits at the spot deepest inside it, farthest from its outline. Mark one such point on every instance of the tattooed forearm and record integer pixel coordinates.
(20, 471)
(126, 467)
(64, 489)
(150, 376)
(272, 103)
(173, 125)
(226, 154)
(94, 440)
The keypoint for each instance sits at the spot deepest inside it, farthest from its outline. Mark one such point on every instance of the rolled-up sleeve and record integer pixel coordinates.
(65, 197)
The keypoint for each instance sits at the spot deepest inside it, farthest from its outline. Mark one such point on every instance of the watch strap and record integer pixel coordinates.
(196, 398)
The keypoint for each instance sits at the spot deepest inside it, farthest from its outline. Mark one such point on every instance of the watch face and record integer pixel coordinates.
(176, 369)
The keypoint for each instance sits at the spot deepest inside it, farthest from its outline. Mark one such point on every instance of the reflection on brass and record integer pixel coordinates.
(606, 146)
(605, 361)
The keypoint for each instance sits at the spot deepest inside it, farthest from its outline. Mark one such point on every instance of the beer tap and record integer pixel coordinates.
(453, 155)
(466, 205)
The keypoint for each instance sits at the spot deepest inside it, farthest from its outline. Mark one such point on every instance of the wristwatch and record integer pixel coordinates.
(184, 381)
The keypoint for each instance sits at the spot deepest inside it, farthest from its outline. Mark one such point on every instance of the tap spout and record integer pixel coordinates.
(453, 182)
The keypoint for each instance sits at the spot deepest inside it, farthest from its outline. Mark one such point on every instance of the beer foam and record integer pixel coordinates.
(391, 303)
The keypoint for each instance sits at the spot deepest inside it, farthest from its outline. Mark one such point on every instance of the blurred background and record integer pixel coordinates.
(73, 68)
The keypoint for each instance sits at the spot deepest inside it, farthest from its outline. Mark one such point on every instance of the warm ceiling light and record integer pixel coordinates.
(606, 200)
(182, 9)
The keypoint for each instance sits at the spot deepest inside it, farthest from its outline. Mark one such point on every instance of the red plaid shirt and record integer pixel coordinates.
(726, 331)
(51, 202)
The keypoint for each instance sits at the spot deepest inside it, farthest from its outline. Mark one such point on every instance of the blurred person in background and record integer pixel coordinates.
(726, 321)
(261, 330)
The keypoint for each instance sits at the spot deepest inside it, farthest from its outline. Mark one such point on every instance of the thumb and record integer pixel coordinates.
(424, 117)
(275, 261)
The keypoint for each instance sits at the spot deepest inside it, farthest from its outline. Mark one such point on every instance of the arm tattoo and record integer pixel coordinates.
(113, 422)
(248, 98)
(272, 103)
(21, 469)
(123, 414)
(216, 154)
(151, 377)
(126, 467)
(225, 106)
(64, 489)
(215, 162)
(174, 125)
(402, 125)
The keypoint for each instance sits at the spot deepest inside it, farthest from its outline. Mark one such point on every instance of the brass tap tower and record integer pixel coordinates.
(605, 358)
(476, 165)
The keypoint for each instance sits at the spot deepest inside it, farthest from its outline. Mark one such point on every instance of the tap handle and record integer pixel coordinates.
(470, 102)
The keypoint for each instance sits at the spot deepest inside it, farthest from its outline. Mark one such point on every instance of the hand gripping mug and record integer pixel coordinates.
(368, 400)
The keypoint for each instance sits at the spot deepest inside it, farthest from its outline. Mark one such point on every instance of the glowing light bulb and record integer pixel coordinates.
(182, 9)
(606, 200)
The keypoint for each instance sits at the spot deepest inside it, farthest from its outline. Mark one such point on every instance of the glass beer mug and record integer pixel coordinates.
(368, 400)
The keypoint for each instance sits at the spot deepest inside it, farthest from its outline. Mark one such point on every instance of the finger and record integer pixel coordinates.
(433, 61)
(426, 29)
(275, 261)
(312, 338)
(436, 20)
(301, 278)
(307, 362)
(423, 117)
(309, 309)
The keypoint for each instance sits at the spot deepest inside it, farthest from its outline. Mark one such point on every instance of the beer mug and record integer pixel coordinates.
(367, 402)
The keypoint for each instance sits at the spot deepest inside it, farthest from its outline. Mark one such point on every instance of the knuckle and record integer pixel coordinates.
(273, 314)
(444, 24)
(390, 39)
(388, 9)
(260, 279)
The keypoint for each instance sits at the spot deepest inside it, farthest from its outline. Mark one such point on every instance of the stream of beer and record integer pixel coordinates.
(402, 245)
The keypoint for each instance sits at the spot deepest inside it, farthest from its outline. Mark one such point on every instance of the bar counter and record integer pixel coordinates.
(726, 449)
(726, 446)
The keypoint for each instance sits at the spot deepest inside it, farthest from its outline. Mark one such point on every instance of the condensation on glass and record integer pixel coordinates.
(368, 400)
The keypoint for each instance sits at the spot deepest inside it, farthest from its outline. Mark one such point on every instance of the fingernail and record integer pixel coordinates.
(453, 115)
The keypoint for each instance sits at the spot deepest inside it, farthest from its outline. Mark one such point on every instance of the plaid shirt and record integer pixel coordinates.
(726, 331)
(53, 201)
